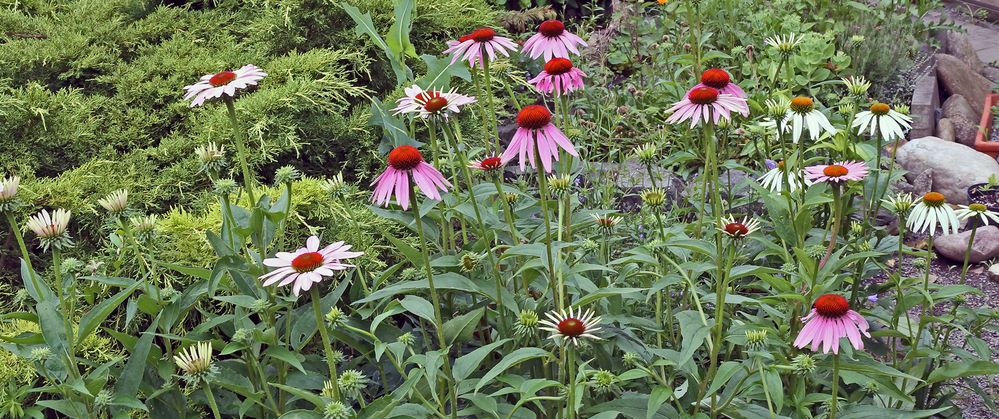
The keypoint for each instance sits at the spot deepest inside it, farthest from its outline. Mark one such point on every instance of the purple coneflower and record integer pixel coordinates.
(307, 265)
(403, 161)
(830, 320)
(213, 86)
(535, 125)
(840, 172)
(720, 80)
(552, 40)
(481, 42)
(706, 104)
(559, 76)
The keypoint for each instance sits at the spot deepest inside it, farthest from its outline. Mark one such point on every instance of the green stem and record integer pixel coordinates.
(435, 300)
(327, 347)
(25, 256)
(967, 255)
(570, 407)
(489, 104)
(211, 401)
(835, 387)
(556, 288)
(239, 139)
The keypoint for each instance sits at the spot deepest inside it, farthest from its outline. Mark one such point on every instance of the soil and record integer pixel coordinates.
(989, 197)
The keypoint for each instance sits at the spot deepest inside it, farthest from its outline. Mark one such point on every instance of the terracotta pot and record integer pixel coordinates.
(982, 142)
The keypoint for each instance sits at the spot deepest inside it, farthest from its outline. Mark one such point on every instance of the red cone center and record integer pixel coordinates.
(835, 170)
(534, 117)
(464, 38)
(880, 108)
(557, 66)
(483, 34)
(832, 305)
(703, 95)
(934, 198)
(491, 163)
(551, 28)
(715, 77)
(736, 229)
(571, 327)
(404, 157)
(307, 262)
(222, 79)
(435, 104)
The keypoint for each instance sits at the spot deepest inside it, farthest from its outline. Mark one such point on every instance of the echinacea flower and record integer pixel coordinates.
(830, 320)
(802, 116)
(706, 104)
(552, 40)
(738, 229)
(883, 119)
(857, 85)
(721, 81)
(966, 212)
(900, 204)
(225, 83)
(488, 164)
(8, 191)
(931, 211)
(558, 77)
(606, 222)
(431, 103)
(839, 172)
(195, 359)
(307, 265)
(51, 228)
(535, 129)
(479, 44)
(571, 327)
(115, 202)
(404, 161)
(785, 44)
(773, 180)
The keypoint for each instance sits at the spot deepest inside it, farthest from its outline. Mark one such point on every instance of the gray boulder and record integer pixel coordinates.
(945, 129)
(953, 246)
(963, 119)
(957, 78)
(954, 167)
(959, 45)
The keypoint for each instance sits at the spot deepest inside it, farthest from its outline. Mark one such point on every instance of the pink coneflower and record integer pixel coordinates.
(213, 86)
(830, 320)
(552, 40)
(569, 327)
(307, 265)
(706, 104)
(535, 125)
(403, 161)
(721, 81)
(431, 103)
(839, 172)
(488, 164)
(482, 41)
(559, 76)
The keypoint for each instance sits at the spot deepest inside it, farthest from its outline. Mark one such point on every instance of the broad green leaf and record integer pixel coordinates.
(604, 293)
(659, 396)
(287, 356)
(468, 363)
(420, 307)
(459, 329)
(309, 396)
(516, 357)
(101, 311)
(960, 369)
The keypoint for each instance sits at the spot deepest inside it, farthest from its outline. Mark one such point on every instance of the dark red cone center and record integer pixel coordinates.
(832, 305)
(736, 229)
(571, 327)
(835, 170)
(551, 28)
(491, 163)
(435, 104)
(703, 95)
(557, 66)
(307, 262)
(222, 79)
(404, 157)
(483, 34)
(534, 117)
(464, 38)
(715, 77)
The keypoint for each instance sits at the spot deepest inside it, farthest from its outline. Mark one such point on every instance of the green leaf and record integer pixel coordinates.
(53, 326)
(604, 293)
(101, 311)
(460, 328)
(659, 396)
(420, 307)
(287, 356)
(516, 357)
(693, 332)
(398, 35)
(960, 369)
(311, 397)
(468, 363)
(127, 385)
(445, 281)
(440, 71)
(725, 372)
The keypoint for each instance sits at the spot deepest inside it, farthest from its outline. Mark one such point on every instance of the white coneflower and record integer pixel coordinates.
(785, 44)
(115, 202)
(527, 324)
(966, 212)
(211, 157)
(51, 228)
(931, 211)
(738, 229)
(802, 116)
(881, 118)
(606, 222)
(569, 327)
(654, 197)
(144, 226)
(8, 191)
(647, 153)
(195, 361)
(351, 384)
(900, 204)
(856, 85)
(773, 180)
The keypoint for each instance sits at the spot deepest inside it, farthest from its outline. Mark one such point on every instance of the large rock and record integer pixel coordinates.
(957, 78)
(953, 246)
(959, 45)
(945, 130)
(963, 118)
(954, 167)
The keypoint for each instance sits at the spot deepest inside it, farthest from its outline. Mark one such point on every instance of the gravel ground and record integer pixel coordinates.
(943, 272)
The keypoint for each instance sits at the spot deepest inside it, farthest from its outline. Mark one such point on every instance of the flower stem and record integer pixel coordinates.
(211, 401)
(570, 406)
(837, 219)
(435, 300)
(542, 198)
(16, 231)
(489, 104)
(327, 347)
(967, 255)
(240, 140)
(835, 387)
